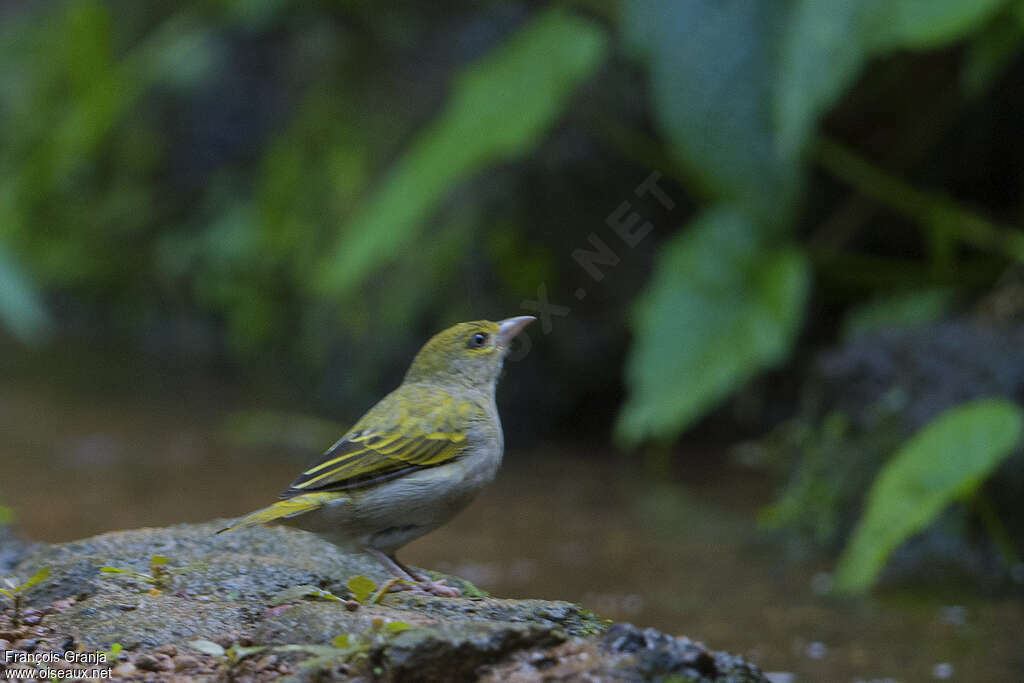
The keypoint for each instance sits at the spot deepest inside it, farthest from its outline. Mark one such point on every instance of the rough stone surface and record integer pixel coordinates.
(624, 653)
(228, 590)
(863, 400)
(12, 548)
(933, 368)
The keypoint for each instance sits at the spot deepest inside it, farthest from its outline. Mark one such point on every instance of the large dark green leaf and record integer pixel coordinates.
(499, 109)
(712, 69)
(948, 459)
(720, 307)
(826, 44)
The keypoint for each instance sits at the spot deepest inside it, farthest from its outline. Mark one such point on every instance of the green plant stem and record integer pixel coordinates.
(935, 212)
(375, 598)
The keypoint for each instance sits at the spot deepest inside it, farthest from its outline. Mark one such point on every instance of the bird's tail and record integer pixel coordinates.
(290, 507)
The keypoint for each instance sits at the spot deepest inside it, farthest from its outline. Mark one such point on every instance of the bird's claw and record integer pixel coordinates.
(427, 587)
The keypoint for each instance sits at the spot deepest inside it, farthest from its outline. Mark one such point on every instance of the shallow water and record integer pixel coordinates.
(568, 522)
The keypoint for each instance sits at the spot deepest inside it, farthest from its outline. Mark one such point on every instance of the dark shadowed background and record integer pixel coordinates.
(773, 400)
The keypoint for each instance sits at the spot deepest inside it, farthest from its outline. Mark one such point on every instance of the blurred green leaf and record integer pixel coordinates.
(237, 653)
(41, 575)
(712, 69)
(342, 642)
(822, 50)
(296, 593)
(946, 460)
(74, 161)
(899, 311)
(720, 307)
(6, 515)
(113, 652)
(21, 309)
(361, 587)
(825, 45)
(499, 108)
(37, 578)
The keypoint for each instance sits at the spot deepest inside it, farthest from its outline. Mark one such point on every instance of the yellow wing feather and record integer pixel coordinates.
(412, 428)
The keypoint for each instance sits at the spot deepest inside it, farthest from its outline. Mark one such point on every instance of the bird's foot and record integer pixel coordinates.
(427, 586)
(412, 580)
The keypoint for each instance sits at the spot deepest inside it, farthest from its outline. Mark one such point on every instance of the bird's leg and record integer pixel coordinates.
(416, 581)
(408, 570)
(392, 565)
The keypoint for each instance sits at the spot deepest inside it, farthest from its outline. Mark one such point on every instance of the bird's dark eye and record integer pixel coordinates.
(478, 340)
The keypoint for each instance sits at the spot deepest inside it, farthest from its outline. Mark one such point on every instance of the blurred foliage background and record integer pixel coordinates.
(735, 219)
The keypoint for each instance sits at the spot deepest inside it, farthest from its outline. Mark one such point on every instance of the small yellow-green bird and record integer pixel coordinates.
(416, 458)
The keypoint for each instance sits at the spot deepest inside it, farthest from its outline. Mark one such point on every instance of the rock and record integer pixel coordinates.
(862, 401)
(12, 548)
(221, 588)
(157, 662)
(934, 367)
(185, 663)
(624, 653)
(124, 669)
(26, 644)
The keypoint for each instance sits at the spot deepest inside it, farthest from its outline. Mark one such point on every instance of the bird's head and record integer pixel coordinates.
(468, 353)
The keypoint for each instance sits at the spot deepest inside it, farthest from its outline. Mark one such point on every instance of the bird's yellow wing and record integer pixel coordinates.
(410, 429)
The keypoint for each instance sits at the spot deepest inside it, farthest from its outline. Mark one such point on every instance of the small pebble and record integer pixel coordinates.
(124, 669)
(266, 662)
(5, 644)
(26, 644)
(62, 605)
(185, 663)
(167, 649)
(149, 662)
(942, 671)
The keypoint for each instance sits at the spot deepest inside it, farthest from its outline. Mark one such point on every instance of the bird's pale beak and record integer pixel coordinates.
(510, 327)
